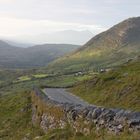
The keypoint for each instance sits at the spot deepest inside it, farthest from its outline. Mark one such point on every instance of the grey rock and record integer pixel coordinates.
(113, 120)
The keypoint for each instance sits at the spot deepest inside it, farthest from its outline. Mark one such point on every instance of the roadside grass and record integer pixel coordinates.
(119, 88)
(15, 116)
(15, 122)
(69, 134)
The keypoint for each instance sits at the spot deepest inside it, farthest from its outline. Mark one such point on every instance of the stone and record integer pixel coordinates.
(120, 127)
(37, 138)
(96, 113)
(81, 118)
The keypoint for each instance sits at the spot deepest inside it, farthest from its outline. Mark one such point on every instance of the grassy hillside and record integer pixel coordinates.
(15, 102)
(36, 56)
(16, 114)
(119, 88)
(15, 121)
(110, 48)
(69, 134)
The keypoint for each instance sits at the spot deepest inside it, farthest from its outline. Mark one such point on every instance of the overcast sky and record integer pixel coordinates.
(34, 17)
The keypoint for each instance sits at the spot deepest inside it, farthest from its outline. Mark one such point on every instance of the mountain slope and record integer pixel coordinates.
(8, 53)
(40, 55)
(110, 48)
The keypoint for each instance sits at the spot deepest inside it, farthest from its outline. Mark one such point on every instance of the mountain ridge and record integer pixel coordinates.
(112, 47)
(38, 55)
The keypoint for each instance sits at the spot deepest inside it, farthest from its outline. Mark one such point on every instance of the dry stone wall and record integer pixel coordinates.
(49, 114)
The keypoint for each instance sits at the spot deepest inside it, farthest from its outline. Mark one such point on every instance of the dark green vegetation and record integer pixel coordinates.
(119, 88)
(16, 115)
(110, 48)
(36, 56)
(30, 78)
(15, 122)
(69, 134)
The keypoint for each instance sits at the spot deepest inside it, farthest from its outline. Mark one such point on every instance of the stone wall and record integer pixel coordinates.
(49, 114)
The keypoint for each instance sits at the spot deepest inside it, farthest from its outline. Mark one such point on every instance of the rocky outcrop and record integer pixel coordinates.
(49, 114)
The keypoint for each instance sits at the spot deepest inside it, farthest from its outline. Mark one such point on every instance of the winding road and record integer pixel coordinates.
(62, 96)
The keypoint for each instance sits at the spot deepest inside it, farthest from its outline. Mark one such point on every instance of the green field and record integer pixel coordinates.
(23, 78)
(40, 75)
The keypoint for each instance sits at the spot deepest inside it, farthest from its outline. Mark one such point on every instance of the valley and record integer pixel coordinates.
(72, 92)
(31, 57)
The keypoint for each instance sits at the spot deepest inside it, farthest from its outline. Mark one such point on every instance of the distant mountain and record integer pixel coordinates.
(36, 56)
(69, 37)
(18, 44)
(8, 53)
(59, 37)
(110, 48)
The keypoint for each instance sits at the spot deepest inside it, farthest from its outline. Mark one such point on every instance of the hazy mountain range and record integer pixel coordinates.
(110, 48)
(39, 55)
(59, 37)
(18, 44)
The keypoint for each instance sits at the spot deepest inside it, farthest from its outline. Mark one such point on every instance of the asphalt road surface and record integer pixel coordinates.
(62, 96)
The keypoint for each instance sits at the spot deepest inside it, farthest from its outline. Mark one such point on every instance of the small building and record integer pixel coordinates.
(79, 73)
(102, 70)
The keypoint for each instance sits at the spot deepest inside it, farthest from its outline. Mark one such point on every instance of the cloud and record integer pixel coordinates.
(33, 17)
(6, 1)
(14, 26)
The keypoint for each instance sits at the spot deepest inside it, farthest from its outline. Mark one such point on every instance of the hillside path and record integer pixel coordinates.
(62, 96)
